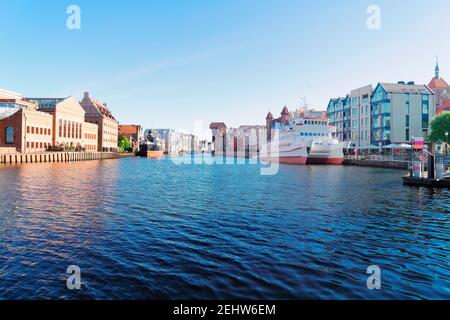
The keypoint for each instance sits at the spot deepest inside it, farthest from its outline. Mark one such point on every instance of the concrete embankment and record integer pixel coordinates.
(59, 157)
(401, 165)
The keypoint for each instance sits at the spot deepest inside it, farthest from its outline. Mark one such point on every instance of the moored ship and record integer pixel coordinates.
(151, 148)
(306, 130)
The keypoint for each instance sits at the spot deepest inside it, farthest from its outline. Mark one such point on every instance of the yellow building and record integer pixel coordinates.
(90, 137)
(68, 120)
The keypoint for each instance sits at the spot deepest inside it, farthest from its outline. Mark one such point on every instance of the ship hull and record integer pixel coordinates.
(297, 156)
(154, 154)
(293, 160)
(327, 154)
(325, 161)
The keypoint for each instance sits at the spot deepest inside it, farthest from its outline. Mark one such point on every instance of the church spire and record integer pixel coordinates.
(436, 70)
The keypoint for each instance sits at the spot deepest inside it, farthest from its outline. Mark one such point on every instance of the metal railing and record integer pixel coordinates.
(380, 157)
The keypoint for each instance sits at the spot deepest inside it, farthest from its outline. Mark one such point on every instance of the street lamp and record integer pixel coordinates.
(446, 143)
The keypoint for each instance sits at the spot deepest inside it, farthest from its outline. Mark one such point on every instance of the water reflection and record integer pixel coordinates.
(152, 229)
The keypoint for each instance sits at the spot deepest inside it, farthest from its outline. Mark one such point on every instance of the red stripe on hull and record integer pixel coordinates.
(329, 161)
(293, 160)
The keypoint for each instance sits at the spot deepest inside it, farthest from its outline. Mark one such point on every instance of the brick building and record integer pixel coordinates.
(22, 126)
(68, 120)
(108, 127)
(133, 133)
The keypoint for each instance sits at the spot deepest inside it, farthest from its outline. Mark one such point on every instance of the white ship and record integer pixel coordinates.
(304, 138)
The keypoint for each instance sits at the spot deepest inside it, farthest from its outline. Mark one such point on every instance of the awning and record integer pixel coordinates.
(403, 146)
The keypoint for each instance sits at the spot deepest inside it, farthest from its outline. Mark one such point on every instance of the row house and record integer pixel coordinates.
(401, 111)
(339, 114)
(108, 127)
(390, 112)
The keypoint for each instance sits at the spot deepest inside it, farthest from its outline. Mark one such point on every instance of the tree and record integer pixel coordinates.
(440, 129)
(124, 143)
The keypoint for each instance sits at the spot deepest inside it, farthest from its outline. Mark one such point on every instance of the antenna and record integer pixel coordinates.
(305, 103)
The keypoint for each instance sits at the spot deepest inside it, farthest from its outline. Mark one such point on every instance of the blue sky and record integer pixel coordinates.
(170, 63)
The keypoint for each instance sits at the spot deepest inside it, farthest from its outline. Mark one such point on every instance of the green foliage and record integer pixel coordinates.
(124, 143)
(439, 126)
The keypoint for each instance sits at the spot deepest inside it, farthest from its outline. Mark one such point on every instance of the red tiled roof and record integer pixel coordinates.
(129, 129)
(445, 107)
(438, 83)
(217, 125)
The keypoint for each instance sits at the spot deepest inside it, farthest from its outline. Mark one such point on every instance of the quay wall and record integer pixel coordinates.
(400, 165)
(58, 157)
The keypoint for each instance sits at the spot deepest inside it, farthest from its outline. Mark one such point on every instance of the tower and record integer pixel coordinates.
(284, 115)
(436, 70)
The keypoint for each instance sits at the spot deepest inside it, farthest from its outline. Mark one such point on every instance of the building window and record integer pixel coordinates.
(407, 134)
(9, 135)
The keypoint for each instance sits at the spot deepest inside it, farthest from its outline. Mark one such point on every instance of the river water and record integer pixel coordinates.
(152, 229)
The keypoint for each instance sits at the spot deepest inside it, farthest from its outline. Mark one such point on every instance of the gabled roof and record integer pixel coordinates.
(6, 94)
(285, 111)
(405, 88)
(102, 108)
(217, 125)
(129, 128)
(438, 84)
(445, 107)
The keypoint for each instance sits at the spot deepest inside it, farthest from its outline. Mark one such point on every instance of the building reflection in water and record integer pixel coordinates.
(50, 204)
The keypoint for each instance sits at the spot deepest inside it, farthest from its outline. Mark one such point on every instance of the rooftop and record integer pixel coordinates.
(410, 88)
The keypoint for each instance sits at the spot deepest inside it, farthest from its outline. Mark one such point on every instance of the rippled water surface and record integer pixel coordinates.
(146, 229)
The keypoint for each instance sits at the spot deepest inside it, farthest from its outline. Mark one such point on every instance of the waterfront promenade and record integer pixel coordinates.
(401, 162)
(60, 157)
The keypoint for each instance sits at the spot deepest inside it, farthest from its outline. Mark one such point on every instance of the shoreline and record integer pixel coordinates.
(14, 158)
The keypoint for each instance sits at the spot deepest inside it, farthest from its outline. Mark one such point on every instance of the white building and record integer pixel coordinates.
(360, 116)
